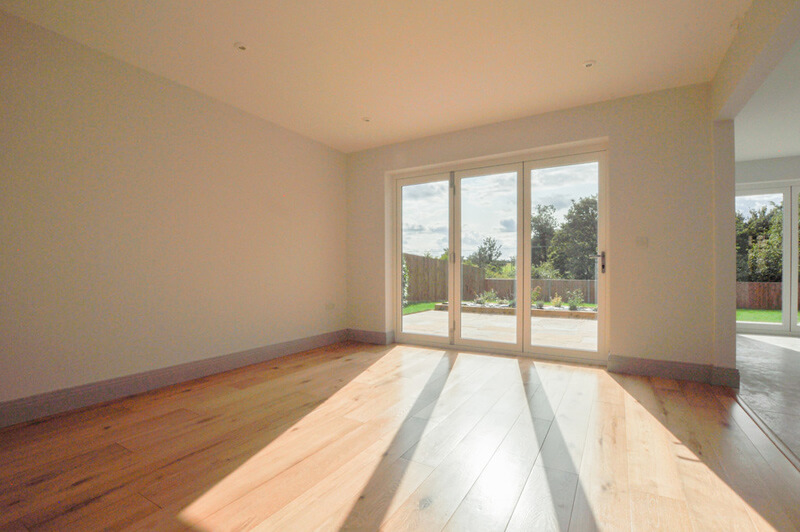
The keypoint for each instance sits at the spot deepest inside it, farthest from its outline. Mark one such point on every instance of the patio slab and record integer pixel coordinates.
(565, 333)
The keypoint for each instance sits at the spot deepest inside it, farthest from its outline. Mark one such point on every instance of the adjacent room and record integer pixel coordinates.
(361, 265)
(767, 190)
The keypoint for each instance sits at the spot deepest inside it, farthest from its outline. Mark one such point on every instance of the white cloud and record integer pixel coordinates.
(745, 204)
(508, 225)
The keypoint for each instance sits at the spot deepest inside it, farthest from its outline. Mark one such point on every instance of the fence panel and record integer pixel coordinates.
(551, 287)
(505, 288)
(473, 280)
(427, 279)
(759, 296)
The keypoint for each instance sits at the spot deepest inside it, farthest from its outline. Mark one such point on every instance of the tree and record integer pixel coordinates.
(759, 239)
(507, 270)
(543, 228)
(765, 256)
(488, 253)
(574, 245)
(742, 248)
(545, 270)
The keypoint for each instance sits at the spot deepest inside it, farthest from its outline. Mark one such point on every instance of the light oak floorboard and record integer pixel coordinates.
(359, 437)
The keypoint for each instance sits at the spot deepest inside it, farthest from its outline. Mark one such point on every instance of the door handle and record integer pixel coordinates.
(602, 257)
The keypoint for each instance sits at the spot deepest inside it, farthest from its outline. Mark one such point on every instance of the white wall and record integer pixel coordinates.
(765, 170)
(144, 225)
(661, 168)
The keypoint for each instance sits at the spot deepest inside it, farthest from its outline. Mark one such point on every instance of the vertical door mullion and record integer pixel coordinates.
(787, 299)
(524, 266)
(603, 243)
(455, 260)
(792, 251)
(519, 268)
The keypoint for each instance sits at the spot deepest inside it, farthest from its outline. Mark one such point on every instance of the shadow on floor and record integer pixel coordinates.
(708, 423)
(67, 469)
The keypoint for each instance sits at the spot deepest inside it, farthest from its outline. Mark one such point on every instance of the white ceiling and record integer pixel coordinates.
(415, 69)
(769, 125)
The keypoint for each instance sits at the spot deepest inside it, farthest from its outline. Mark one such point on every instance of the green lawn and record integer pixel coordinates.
(413, 308)
(760, 316)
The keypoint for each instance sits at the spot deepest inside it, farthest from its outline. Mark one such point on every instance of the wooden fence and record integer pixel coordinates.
(427, 281)
(759, 296)
(551, 287)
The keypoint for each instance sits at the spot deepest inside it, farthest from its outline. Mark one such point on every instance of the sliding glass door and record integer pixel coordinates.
(767, 248)
(506, 256)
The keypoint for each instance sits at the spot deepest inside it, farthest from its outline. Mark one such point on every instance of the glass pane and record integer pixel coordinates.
(759, 258)
(488, 261)
(563, 264)
(425, 234)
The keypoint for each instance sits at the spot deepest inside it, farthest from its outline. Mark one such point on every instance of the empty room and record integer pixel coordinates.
(389, 265)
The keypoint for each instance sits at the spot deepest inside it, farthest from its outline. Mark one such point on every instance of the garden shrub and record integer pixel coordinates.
(489, 296)
(574, 298)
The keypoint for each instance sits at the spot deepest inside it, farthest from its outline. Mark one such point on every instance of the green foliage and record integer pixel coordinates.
(536, 294)
(489, 296)
(759, 245)
(543, 228)
(545, 270)
(574, 244)
(487, 254)
(405, 283)
(574, 298)
(556, 301)
(503, 271)
(445, 254)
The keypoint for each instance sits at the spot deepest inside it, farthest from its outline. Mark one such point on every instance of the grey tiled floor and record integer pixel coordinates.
(769, 368)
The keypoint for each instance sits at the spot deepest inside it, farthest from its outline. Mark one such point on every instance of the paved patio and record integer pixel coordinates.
(568, 333)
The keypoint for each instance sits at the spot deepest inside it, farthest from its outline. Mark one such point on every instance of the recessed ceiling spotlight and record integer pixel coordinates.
(589, 64)
(240, 46)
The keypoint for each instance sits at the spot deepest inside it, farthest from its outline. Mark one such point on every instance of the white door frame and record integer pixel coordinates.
(788, 296)
(457, 219)
(398, 254)
(601, 355)
(525, 161)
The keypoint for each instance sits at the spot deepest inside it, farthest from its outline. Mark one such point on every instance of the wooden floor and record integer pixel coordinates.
(402, 438)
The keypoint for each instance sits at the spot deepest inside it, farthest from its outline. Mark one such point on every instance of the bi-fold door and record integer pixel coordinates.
(507, 257)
